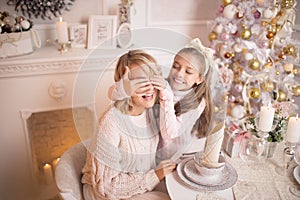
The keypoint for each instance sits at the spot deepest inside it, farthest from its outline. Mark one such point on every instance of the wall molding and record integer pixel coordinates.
(150, 21)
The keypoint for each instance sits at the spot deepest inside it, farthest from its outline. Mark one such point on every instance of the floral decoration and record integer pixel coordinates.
(283, 110)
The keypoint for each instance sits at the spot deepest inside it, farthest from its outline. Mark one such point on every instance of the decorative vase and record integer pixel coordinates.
(270, 149)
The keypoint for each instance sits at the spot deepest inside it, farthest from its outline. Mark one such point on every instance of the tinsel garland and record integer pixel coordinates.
(45, 9)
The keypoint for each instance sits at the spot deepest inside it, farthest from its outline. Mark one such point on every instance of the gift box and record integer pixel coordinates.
(234, 141)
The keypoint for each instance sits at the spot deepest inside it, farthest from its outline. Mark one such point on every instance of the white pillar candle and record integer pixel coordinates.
(62, 31)
(48, 173)
(293, 130)
(54, 163)
(266, 118)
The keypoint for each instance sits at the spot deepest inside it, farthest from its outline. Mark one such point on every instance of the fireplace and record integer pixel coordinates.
(50, 133)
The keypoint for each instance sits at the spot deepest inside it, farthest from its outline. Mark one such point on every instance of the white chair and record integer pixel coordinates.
(68, 172)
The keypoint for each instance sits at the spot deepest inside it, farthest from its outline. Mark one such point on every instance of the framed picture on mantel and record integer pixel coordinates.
(102, 31)
(78, 35)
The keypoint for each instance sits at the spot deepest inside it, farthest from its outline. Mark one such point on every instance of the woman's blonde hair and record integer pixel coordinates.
(199, 91)
(134, 58)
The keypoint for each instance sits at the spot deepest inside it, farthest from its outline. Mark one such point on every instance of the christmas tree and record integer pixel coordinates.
(258, 59)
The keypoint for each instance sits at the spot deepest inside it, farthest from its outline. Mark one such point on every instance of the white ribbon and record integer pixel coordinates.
(205, 51)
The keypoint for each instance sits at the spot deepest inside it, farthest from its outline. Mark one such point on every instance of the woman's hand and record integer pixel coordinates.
(164, 168)
(159, 82)
(135, 86)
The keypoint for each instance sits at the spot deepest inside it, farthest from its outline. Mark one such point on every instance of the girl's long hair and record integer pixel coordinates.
(199, 92)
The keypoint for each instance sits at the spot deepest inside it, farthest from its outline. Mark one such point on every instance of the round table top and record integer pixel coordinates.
(179, 191)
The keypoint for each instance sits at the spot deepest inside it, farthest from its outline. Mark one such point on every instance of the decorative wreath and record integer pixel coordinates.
(45, 9)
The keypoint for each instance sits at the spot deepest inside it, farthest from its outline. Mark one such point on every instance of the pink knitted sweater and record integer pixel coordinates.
(121, 157)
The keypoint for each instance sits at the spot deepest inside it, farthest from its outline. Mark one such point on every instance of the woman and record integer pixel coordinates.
(120, 160)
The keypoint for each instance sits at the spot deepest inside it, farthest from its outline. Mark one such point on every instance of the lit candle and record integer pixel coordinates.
(62, 31)
(54, 163)
(266, 118)
(48, 173)
(292, 132)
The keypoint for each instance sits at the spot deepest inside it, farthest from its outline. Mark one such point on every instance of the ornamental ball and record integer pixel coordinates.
(281, 96)
(246, 34)
(254, 93)
(268, 86)
(230, 11)
(212, 36)
(296, 91)
(254, 64)
(287, 4)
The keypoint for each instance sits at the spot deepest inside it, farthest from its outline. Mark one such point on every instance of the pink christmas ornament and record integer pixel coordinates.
(231, 98)
(225, 36)
(220, 9)
(238, 87)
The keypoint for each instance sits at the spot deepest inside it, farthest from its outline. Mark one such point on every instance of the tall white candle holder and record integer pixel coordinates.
(288, 156)
(63, 47)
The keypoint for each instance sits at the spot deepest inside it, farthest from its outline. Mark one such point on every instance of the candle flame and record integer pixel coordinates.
(60, 19)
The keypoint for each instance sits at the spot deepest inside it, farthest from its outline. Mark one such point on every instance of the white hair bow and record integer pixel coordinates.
(205, 51)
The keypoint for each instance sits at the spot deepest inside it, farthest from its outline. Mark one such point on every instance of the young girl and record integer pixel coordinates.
(189, 90)
(188, 79)
(120, 161)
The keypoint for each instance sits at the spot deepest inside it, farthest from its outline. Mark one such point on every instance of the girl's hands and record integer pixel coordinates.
(159, 82)
(135, 86)
(164, 168)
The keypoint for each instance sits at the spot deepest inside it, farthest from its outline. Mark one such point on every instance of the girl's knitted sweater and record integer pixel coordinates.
(176, 131)
(121, 157)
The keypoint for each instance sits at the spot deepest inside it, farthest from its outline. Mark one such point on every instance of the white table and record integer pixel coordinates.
(179, 191)
(255, 181)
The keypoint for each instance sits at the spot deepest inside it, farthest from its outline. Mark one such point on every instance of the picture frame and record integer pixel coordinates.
(102, 31)
(124, 36)
(78, 35)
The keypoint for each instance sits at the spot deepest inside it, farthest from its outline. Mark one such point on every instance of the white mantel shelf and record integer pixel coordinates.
(49, 60)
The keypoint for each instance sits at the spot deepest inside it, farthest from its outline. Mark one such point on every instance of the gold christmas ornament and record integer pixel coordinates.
(268, 86)
(254, 93)
(277, 73)
(254, 64)
(263, 23)
(288, 67)
(281, 56)
(268, 64)
(212, 36)
(246, 34)
(289, 50)
(270, 35)
(226, 2)
(295, 70)
(296, 91)
(273, 29)
(281, 96)
(287, 4)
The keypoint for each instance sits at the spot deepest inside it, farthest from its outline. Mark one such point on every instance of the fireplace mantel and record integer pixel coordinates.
(49, 60)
